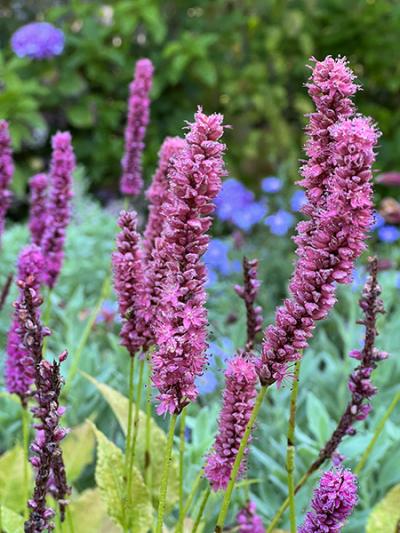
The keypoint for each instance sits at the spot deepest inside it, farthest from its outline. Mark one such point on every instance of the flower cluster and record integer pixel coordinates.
(332, 504)
(58, 205)
(138, 119)
(6, 172)
(249, 294)
(337, 178)
(38, 40)
(238, 401)
(248, 520)
(38, 185)
(19, 367)
(181, 319)
(131, 285)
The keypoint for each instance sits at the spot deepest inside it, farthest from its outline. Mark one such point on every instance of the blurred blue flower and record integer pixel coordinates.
(250, 215)
(38, 40)
(208, 382)
(108, 313)
(379, 221)
(216, 256)
(298, 200)
(397, 280)
(280, 222)
(359, 277)
(271, 184)
(389, 234)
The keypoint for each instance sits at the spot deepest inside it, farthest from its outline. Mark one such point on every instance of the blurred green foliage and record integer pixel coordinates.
(245, 58)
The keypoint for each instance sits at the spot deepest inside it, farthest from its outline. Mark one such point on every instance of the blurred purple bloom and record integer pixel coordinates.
(108, 313)
(280, 222)
(379, 221)
(250, 215)
(271, 184)
(389, 234)
(298, 200)
(38, 40)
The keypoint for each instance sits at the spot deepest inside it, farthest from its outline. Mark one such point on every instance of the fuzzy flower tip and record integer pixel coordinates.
(249, 293)
(58, 207)
(6, 172)
(131, 285)
(332, 504)
(238, 402)
(181, 318)
(248, 520)
(38, 40)
(328, 244)
(138, 120)
(38, 207)
(19, 367)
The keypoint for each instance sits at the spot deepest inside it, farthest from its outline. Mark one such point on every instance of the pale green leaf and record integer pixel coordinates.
(12, 486)
(78, 448)
(385, 516)
(11, 522)
(89, 513)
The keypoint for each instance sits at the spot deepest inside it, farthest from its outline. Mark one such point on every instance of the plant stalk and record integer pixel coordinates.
(147, 454)
(127, 472)
(189, 501)
(291, 448)
(203, 504)
(25, 444)
(181, 458)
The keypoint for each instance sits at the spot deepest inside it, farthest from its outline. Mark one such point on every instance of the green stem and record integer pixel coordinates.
(73, 369)
(25, 441)
(127, 471)
(189, 501)
(203, 504)
(126, 203)
(70, 521)
(378, 431)
(165, 474)
(291, 448)
(181, 458)
(147, 455)
(238, 460)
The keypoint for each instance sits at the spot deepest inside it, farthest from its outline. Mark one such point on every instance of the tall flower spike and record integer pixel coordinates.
(59, 210)
(248, 520)
(19, 367)
(131, 285)
(332, 504)
(238, 402)
(327, 245)
(249, 293)
(181, 320)
(38, 207)
(138, 120)
(6, 172)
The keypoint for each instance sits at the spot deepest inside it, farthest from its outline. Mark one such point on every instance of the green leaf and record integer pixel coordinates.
(89, 513)
(78, 448)
(119, 404)
(11, 522)
(110, 481)
(318, 419)
(385, 516)
(12, 486)
(81, 115)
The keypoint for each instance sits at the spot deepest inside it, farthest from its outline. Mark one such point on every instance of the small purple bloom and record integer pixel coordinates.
(248, 520)
(280, 222)
(389, 234)
(38, 40)
(298, 200)
(271, 184)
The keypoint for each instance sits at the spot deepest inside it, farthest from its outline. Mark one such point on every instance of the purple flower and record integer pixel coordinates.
(138, 120)
(248, 520)
(389, 178)
(333, 502)
(280, 222)
(38, 207)
(298, 200)
(249, 293)
(271, 184)
(38, 40)
(6, 172)
(388, 234)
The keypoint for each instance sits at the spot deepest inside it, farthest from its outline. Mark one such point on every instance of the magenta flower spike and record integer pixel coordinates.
(328, 244)
(131, 285)
(181, 318)
(38, 185)
(248, 520)
(59, 209)
(6, 172)
(138, 120)
(19, 367)
(238, 402)
(333, 502)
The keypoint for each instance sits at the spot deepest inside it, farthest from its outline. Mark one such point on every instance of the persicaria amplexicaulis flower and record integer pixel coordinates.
(19, 367)
(38, 40)
(131, 285)
(248, 520)
(238, 402)
(332, 503)
(138, 119)
(341, 212)
(58, 207)
(181, 318)
(38, 207)
(6, 172)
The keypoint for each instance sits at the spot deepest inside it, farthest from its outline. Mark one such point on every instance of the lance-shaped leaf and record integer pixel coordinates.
(78, 449)
(12, 485)
(385, 516)
(88, 513)
(11, 521)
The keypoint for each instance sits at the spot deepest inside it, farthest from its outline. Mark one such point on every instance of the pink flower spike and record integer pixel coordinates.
(6, 172)
(38, 185)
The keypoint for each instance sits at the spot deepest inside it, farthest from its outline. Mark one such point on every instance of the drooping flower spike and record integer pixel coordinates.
(6, 172)
(181, 318)
(38, 185)
(138, 120)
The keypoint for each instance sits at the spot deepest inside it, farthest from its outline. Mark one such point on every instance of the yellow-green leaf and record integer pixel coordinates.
(12, 486)
(385, 516)
(110, 481)
(89, 514)
(158, 439)
(78, 448)
(11, 522)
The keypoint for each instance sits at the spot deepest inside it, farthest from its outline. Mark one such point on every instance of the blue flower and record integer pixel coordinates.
(38, 40)
(207, 383)
(271, 184)
(397, 280)
(250, 215)
(389, 234)
(216, 257)
(359, 278)
(379, 221)
(280, 222)
(298, 200)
